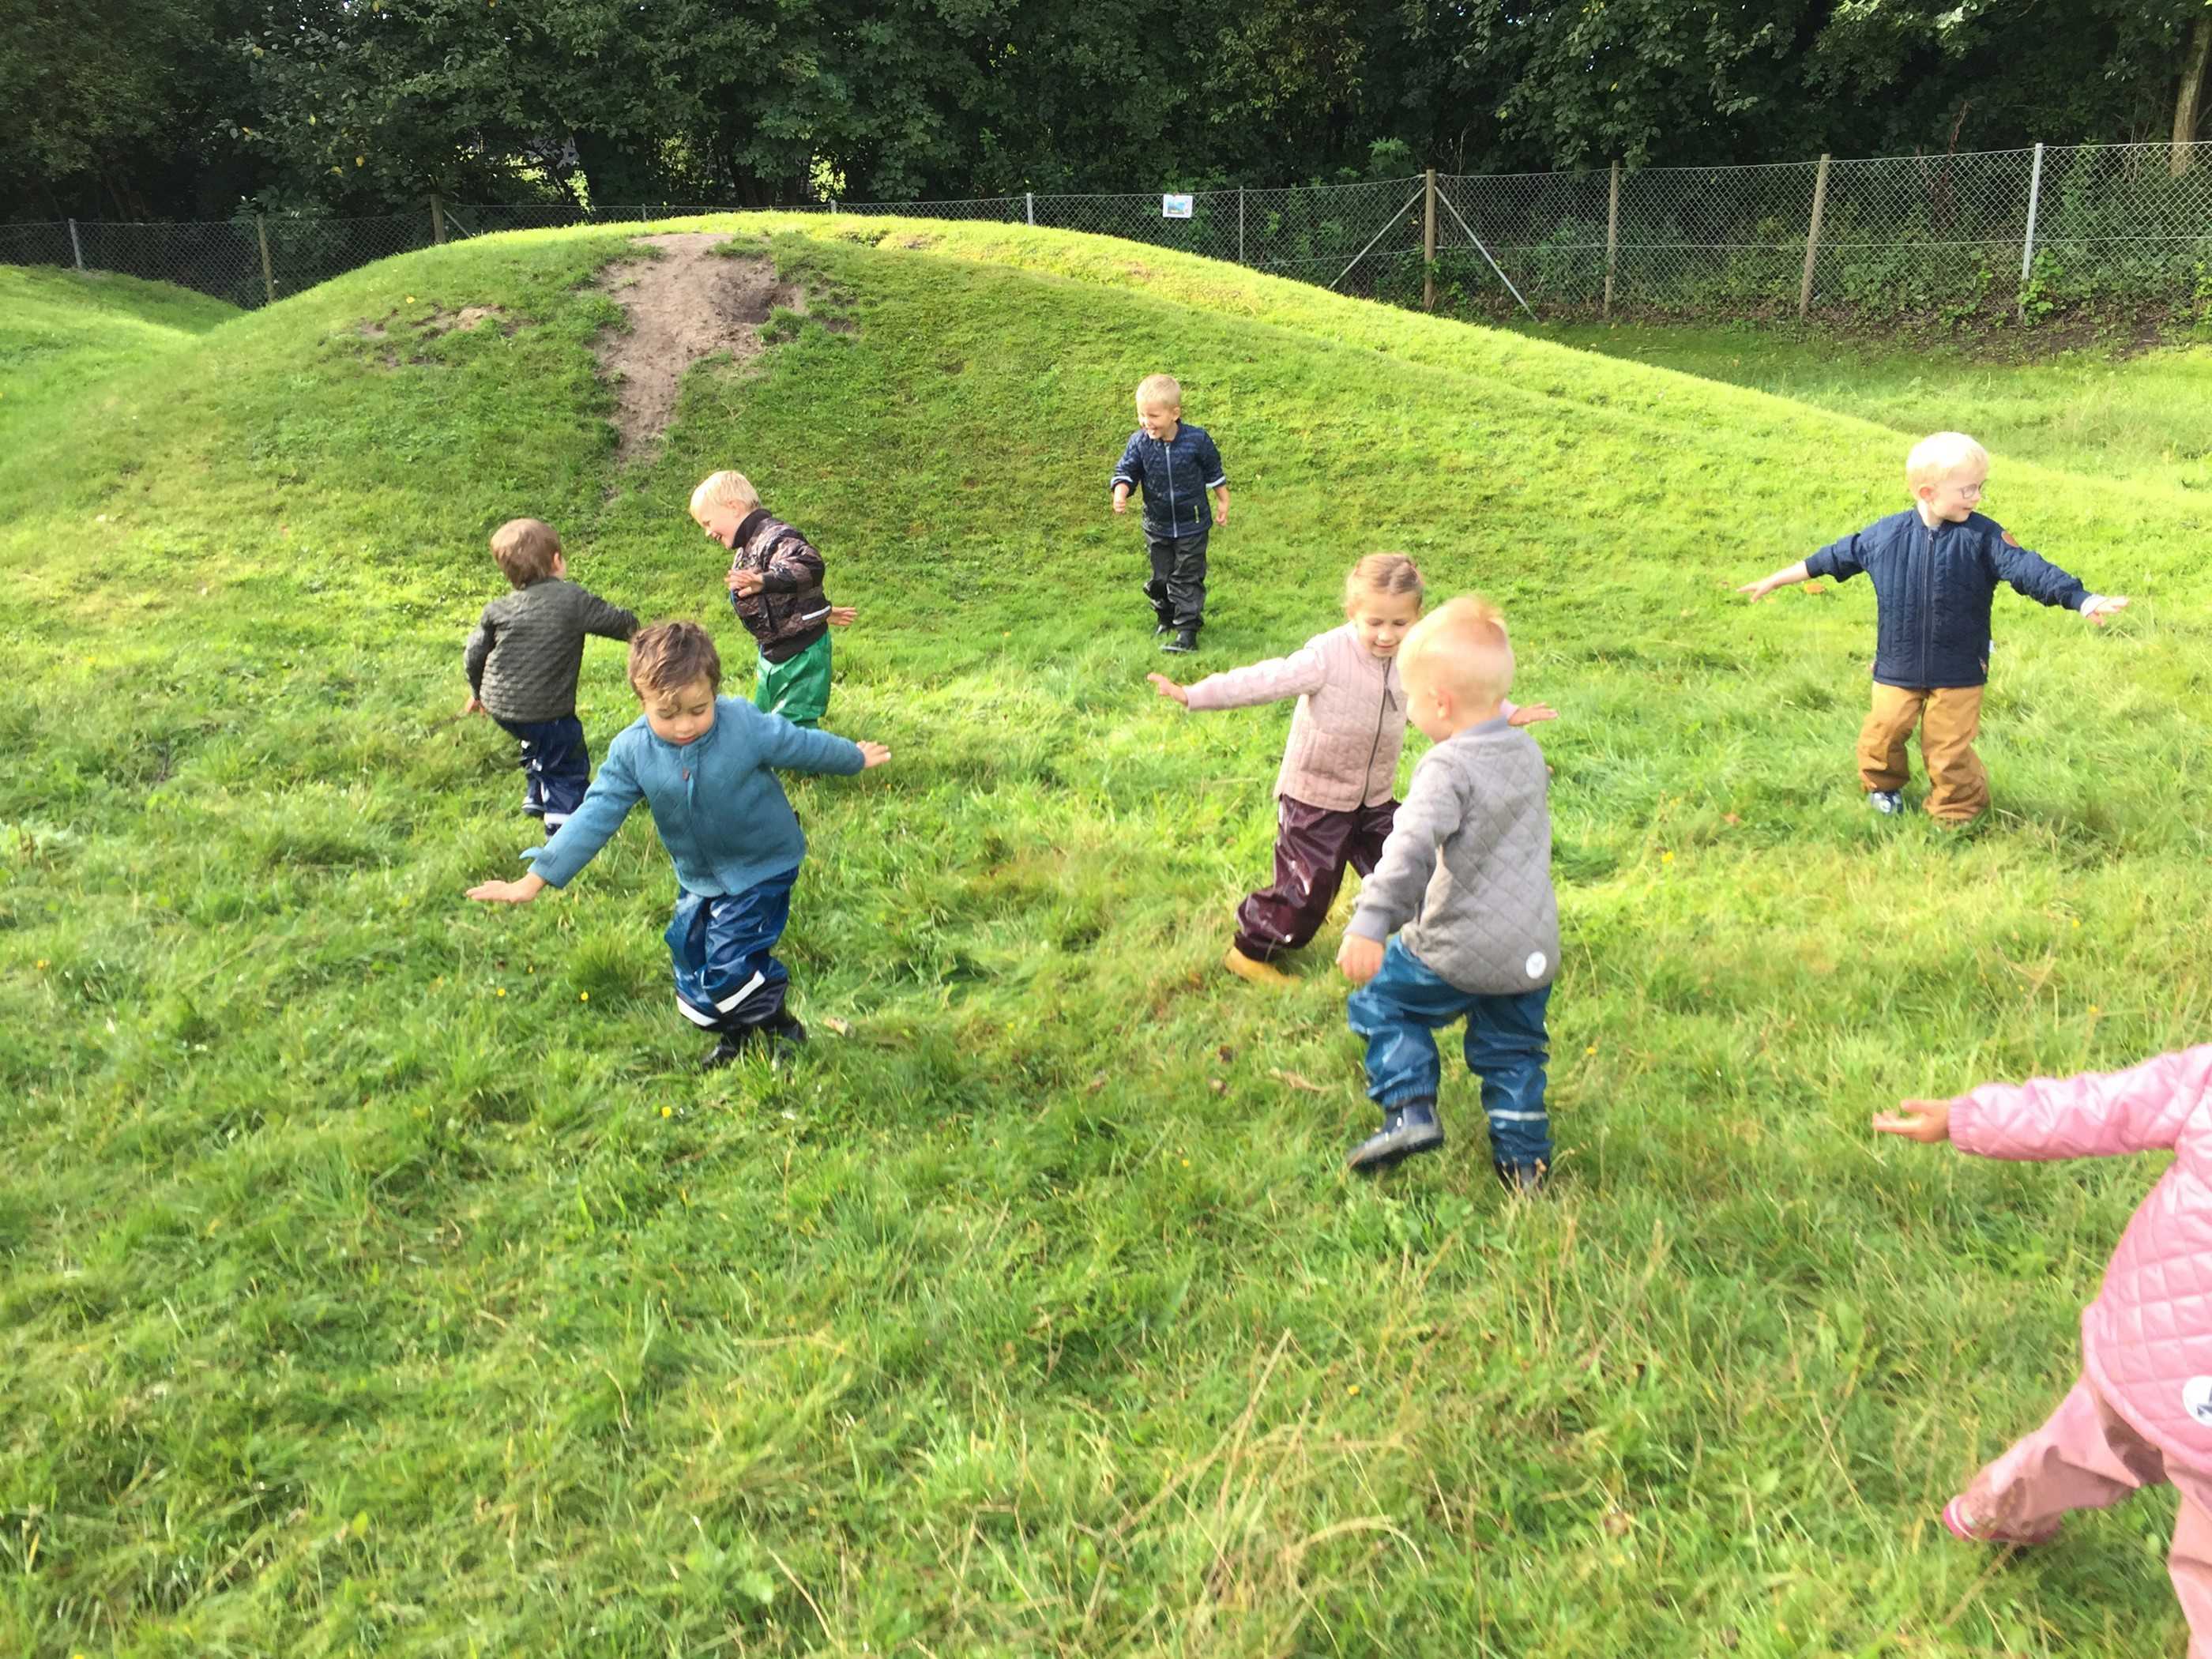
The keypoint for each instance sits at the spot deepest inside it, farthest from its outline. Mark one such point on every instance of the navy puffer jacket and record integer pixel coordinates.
(1932, 590)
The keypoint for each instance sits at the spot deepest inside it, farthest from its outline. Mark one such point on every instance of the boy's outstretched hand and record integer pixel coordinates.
(2105, 607)
(843, 616)
(1168, 689)
(744, 583)
(510, 892)
(1928, 1120)
(1361, 958)
(1529, 713)
(872, 754)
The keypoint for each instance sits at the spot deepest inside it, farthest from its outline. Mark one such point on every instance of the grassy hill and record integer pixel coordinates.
(384, 1279)
(60, 329)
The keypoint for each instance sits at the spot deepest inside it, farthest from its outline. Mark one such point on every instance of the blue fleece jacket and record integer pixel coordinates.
(1932, 590)
(721, 812)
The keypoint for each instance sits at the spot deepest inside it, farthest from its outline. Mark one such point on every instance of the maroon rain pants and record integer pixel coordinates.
(1313, 846)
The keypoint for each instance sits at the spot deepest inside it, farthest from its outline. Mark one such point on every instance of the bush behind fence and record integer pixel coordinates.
(2041, 231)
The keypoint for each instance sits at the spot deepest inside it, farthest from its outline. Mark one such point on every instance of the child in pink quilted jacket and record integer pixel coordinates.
(1334, 797)
(2141, 1414)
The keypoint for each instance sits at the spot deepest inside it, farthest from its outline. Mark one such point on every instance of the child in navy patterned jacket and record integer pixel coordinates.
(1174, 466)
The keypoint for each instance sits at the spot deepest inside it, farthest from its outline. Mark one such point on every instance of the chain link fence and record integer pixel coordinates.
(2117, 226)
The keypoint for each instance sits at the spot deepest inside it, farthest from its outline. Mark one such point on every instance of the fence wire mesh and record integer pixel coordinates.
(2066, 228)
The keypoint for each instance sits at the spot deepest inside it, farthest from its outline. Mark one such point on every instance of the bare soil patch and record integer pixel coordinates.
(435, 321)
(691, 302)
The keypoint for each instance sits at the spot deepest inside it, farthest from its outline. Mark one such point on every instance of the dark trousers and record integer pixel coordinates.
(558, 764)
(726, 980)
(1177, 587)
(1399, 1011)
(1313, 846)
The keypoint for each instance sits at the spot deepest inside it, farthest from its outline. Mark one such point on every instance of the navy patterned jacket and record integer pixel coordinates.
(1174, 476)
(1932, 590)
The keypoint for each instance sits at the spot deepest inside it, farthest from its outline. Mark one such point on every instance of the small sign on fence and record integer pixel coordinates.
(1175, 207)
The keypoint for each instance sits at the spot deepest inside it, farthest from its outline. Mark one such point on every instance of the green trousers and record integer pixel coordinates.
(798, 688)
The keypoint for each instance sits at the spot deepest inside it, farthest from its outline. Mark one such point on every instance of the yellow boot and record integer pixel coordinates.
(1260, 973)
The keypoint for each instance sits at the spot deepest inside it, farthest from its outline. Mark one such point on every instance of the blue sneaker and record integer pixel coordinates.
(1406, 1129)
(1887, 802)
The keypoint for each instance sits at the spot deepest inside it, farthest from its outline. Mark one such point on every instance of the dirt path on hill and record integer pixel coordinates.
(689, 303)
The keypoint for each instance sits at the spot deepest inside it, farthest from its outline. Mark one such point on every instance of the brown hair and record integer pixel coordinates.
(670, 655)
(524, 549)
(1384, 573)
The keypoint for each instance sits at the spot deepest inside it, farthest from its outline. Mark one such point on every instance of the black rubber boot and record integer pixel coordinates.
(1184, 642)
(1406, 1129)
(1524, 1180)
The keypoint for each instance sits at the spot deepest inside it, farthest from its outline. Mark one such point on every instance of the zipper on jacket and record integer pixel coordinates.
(1167, 461)
(1381, 708)
(1928, 611)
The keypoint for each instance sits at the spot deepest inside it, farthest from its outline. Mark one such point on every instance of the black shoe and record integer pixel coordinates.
(784, 1030)
(733, 1044)
(1524, 1180)
(1406, 1129)
(1162, 625)
(1185, 642)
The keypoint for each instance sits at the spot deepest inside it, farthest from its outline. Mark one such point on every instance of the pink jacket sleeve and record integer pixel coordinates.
(1294, 676)
(2096, 1114)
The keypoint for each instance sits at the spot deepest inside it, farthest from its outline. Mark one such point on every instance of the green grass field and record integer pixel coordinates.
(383, 1279)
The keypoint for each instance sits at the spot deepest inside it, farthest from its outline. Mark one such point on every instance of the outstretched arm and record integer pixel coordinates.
(1789, 576)
(2096, 1114)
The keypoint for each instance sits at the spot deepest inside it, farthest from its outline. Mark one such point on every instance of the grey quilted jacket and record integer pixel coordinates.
(522, 655)
(1467, 870)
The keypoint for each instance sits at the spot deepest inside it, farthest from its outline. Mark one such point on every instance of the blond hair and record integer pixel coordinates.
(668, 656)
(1462, 646)
(1160, 391)
(725, 488)
(524, 549)
(1941, 455)
(1387, 574)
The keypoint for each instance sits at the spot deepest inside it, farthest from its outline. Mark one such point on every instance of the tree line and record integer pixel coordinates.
(184, 109)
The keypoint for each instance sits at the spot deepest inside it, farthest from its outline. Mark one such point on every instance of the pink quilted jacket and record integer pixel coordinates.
(1350, 723)
(2146, 1338)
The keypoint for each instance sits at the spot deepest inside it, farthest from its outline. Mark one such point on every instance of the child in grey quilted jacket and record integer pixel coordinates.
(1465, 883)
(522, 660)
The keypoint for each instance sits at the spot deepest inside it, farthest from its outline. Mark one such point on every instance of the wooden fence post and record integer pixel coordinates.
(76, 248)
(1240, 224)
(437, 222)
(1813, 237)
(1611, 235)
(1429, 242)
(268, 278)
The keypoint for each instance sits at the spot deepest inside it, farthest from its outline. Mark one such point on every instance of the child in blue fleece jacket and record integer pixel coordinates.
(703, 763)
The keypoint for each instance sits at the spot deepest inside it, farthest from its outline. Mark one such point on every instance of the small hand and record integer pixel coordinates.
(843, 616)
(745, 583)
(508, 892)
(1925, 1121)
(2102, 611)
(1220, 517)
(872, 754)
(1168, 688)
(1529, 713)
(1361, 959)
(1759, 589)
(473, 706)
(1120, 501)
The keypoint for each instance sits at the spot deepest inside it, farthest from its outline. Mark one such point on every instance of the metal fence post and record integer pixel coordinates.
(76, 248)
(268, 279)
(1029, 207)
(1813, 237)
(437, 222)
(1429, 240)
(1240, 224)
(1611, 235)
(2028, 241)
